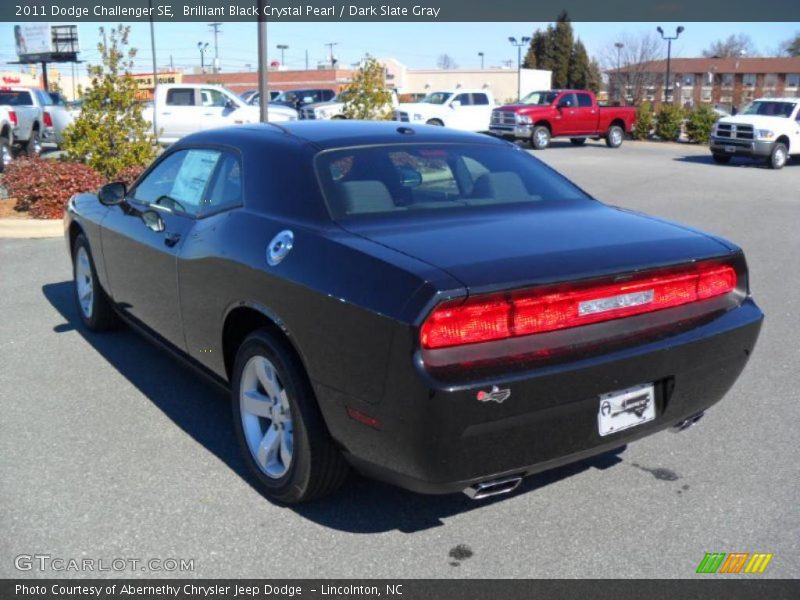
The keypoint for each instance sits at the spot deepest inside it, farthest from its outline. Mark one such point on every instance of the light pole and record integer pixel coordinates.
(330, 46)
(481, 55)
(619, 46)
(282, 48)
(519, 45)
(203, 48)
(678, 31)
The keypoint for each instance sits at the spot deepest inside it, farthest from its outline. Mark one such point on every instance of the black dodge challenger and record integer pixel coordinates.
(433, 308)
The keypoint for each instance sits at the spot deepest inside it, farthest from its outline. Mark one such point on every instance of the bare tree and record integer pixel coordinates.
(445, 61)
(790, 47)
(730, 47)
(634, 58)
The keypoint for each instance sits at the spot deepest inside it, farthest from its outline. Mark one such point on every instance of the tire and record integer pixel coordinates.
(577, 141)
(615, 136)
(33, 147)
(540, 137)
(434, 122)
(721, 159)
(94, 306)
(301, 461)
(778, 157)
(5, 154)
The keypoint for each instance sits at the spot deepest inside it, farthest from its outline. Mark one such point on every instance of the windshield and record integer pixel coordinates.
(539, 98)
(399, 179)
(769, 108)
(436, 98)
(16, 98)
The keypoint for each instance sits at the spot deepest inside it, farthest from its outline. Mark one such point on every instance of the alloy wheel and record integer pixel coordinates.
(84, 282)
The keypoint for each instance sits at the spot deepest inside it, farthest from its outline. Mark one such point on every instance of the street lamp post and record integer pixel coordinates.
(481, 55)
(202, 48)
(667, 86)
(282, 48)
(619, 46)
(519, 45)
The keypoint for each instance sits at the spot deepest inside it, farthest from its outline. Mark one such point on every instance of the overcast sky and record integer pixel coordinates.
(415, 44)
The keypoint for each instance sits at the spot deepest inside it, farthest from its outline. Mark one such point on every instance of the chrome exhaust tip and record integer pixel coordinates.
(495, 487)
(687, 422)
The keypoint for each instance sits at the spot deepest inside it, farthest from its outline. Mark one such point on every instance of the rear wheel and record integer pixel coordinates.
(778, 156)
(615, 136)
(33, 147)
(540, 138)
(577, 141)
(435, 122)
(94, 306)
(5, 154)
(280, 429)
(721, 159)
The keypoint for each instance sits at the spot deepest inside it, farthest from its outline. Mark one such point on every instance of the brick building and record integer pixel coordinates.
(724, 82)
(334, 79)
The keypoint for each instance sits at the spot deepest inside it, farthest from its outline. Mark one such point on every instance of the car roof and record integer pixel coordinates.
(336, 134)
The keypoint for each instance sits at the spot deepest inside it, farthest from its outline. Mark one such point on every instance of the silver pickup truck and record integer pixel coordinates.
(39, 119)
(8, 120)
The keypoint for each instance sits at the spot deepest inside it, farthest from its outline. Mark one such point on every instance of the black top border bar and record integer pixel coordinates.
(397, 10)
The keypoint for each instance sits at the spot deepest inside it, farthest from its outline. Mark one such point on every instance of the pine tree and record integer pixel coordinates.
(578, 76)
(561, 45)
(594, 80)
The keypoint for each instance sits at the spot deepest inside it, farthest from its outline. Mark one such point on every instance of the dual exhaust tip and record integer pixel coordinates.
(493, 487)
(687, 422)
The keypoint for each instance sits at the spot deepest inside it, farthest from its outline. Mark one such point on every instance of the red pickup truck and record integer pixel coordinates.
(541, 116)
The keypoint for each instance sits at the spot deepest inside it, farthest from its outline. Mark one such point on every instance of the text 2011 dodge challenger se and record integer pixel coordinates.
(436, 309)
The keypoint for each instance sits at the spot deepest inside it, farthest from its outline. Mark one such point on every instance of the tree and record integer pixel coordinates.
(110, 133)
(730, 47)
(635, 60)
(445, 61)
(644, 121)
(579, 73)
(594, 79)
(700, 123)
(562, 48)
(367, 96)
(791, 47)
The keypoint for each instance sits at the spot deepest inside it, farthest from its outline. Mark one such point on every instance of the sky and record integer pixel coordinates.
(417, 45)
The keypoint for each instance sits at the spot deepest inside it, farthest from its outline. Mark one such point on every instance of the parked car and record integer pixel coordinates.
(34, 125)
(335, 108)
(61, 116)
(297, 99)
(8, 121)
(181, 109)
(768, 128)
(438, 309)
(468, 110)
(255, 98)
(543, 115)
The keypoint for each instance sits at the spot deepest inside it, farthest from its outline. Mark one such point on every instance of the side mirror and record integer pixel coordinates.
(230, 104)
(112, 194)
(455, 104)
(153, 220)
(409, 177)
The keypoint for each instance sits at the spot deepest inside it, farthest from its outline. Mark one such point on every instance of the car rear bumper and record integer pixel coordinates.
(733, 147)
(441, 439)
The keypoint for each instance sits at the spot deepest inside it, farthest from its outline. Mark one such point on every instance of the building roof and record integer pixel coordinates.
(722, 65)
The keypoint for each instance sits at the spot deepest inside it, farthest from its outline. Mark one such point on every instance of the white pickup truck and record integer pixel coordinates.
(8, 120)
(334, 108)
(181, 109)
(34, 123)
(768, 128)
(470, 110)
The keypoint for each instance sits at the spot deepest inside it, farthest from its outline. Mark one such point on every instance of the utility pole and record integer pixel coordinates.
(155, 69)
(519, 45)
(481, 55)
(215, 28)
(330, 46)
(619, 46)
(282, 48)
(667, 86)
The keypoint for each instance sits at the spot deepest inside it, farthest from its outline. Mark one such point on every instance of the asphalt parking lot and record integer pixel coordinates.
(112, 449)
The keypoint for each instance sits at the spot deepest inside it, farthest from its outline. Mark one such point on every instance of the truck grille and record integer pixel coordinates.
(307, 113)
(735, 132)
(502, 117)
(400, 115)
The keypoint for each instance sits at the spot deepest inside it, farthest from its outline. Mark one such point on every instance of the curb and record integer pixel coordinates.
(31, 228)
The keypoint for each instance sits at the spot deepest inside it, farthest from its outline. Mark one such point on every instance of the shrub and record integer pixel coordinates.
(43, 187)
(128, 175)
(644, 121)
(669, 122)
(701, 121)
(367, 96)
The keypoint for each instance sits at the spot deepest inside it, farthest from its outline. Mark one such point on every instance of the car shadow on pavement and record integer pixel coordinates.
(202, 411)
(706, 159)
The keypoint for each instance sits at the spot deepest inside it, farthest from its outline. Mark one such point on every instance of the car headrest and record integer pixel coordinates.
(503, 186)
(368, 196)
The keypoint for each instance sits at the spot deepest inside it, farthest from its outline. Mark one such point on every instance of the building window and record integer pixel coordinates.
(727, 80)
(770, 80)
(793, 80)
(688, 80)
(749, 79)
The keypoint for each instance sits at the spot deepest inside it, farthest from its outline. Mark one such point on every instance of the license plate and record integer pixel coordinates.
(626, 408)
(730, 149)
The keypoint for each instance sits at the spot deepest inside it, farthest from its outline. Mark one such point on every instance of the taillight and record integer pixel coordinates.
(12, 116)
(527, 312)
(48, 120)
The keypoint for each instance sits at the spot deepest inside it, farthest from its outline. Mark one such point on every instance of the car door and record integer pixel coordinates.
(179, 115)
(142, 238)
(482, 114)
(585, 114)
(460, 116)
(565, 119)
(794, 144)
(216, 109)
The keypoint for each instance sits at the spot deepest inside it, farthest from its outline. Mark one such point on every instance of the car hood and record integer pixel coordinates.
(513, 248)
(757, 121)
(523, 108)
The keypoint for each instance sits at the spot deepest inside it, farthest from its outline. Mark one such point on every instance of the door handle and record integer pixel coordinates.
(170, 239)
(166, 113)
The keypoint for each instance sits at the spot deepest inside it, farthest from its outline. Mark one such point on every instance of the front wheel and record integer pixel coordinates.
(540, 138)
(577, 141)
(615, 136)
(94, 306)
(778, 156)
(721, 159)
(280, 429)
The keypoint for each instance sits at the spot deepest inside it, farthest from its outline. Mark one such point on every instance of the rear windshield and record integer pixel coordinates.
(402, 178)
(16, 98)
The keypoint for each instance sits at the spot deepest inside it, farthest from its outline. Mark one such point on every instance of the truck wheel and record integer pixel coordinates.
(540, 138)
(778, 156)
(33, 147)
(434, 122)
(577, 141)
(721, 159)
(5, 154)
(280, 429)
(615, 136)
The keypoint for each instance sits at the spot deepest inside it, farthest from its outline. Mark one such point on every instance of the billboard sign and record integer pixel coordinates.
(33, 39)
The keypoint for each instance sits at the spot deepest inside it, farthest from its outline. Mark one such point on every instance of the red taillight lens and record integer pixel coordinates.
(48, 120)
(526, 312)
(12, 116)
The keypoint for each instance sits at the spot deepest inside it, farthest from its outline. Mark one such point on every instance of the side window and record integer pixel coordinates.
(180, 97)
(180, 181)
(584, 100)
(567, 100)
(226, 189)
(480, 99)
(211, 97)
(464, 99)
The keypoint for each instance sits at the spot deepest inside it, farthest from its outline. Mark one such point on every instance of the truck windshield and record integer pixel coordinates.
(436, 98)
(403, 179)
(13, 98)
(539, 98)
(770, 108)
